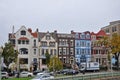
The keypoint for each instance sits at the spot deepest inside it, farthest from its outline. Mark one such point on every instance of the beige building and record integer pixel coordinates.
(99, 51)
(113, 27)
(47, 43)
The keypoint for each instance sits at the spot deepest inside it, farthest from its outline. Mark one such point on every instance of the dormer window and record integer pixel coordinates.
(48, 37)
(88, 36)
(77, 35)
(82, 36)
(23, 32)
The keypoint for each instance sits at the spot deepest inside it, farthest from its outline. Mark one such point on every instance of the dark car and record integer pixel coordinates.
(64, 71)
(72, 72)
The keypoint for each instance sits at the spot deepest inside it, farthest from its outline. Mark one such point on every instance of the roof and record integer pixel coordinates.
(92, 33)
(101, 33)
(42, 34)
(34, 34)
(23, 38)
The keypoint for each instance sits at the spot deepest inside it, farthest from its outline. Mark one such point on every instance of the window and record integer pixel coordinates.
(23, 41)
(60, 51)
(23, 32)
(77, 50)
(34, 42)
(77, 35)
(51, 52)
(43, 61)
(71, 42)
(19, 41)
(23, 60)
(114, 29)
(55, 52)
(83, 44)
(88, 36)
(82, 36)
(52, 44)
(64, 51)
(48, 37)
(77, 44)
(23, 51)
(88, 44)
(44, 43)
(34, 51)
(27, 41)
(107, 31)
(71, 51)
(35, 60)
(42, 51)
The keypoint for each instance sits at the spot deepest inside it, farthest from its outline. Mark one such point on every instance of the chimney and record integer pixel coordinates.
(72, 31)
(55, 31)
(30, 30)
(37, 30)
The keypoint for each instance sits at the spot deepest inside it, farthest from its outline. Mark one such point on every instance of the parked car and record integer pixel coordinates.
(72, 72)
(43, 72)
(4, 75)
(37, 71)
(43, 77)
(25, 74)
(64, 71)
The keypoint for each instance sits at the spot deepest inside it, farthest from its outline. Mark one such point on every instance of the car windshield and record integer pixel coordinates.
(3, 73)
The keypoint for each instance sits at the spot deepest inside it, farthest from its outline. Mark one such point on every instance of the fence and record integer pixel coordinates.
(93, 76)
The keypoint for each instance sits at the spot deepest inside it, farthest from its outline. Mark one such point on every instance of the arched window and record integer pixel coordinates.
(23, 51)
(23, 32)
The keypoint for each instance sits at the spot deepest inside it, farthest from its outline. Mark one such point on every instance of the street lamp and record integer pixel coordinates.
(1, 50)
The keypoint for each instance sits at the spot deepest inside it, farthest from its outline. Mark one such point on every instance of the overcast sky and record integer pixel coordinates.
(60, 15)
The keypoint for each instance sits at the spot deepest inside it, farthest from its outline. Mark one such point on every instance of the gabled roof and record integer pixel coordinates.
(101, 33)
(42, 34)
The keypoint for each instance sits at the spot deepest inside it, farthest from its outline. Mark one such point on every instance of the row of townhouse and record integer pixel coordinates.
(71, 49)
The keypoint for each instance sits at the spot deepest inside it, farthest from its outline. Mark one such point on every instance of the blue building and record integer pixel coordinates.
(82, 47)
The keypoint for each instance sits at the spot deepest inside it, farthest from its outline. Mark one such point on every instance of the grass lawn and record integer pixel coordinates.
(18, 79)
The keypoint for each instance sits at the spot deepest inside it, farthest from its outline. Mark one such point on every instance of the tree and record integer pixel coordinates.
(47, 55)
(104, 43)
(55, 64)
(115, 45)
(9, 53)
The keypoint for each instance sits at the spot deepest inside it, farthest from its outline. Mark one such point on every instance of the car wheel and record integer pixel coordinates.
(29, 75)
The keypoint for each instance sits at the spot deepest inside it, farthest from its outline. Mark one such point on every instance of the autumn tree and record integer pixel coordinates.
(104, 43)
(115, 45)
(55, 64)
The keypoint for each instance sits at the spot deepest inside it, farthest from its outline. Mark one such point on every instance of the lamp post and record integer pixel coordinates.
(1, 50)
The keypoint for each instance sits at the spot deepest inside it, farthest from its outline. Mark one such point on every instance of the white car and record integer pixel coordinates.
(26, 74)
(4, 75)
(43, 77)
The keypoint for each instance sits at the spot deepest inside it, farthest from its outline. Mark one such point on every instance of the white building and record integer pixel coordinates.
(26, 42)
